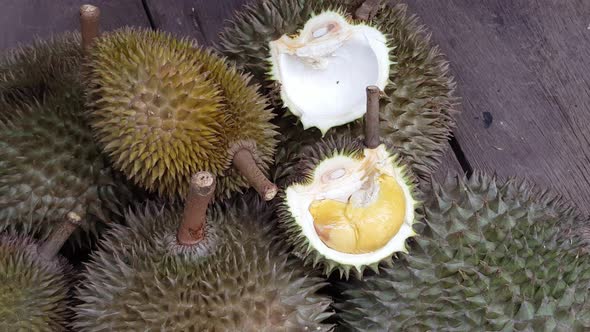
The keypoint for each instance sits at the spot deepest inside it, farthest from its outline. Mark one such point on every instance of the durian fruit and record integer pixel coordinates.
(163, 109)
(50, 165)
(416, 119)
(491, 257)
(219, 271)
(44, 67)
(35, 281)
(349, 207)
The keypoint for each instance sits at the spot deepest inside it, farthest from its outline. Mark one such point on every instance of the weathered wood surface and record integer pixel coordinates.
(523, 72)
(22, 20)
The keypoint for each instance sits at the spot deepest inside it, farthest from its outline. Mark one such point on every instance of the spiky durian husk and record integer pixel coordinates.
(417, 120)
(304, 166)
(50, 165)
(244, 281)
(44, 67)
(33, 292)
(163, 110)
(492, 258)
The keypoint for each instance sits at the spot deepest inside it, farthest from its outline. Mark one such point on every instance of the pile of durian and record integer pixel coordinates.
(277, 182)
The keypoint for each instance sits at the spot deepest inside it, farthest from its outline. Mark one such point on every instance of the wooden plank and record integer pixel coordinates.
(22, 20)
(199, 19)
(523, 71)
(448, 165)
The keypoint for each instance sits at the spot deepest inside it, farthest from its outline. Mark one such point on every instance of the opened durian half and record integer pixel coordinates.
(312, 57)
(323, 71)
(351, 206)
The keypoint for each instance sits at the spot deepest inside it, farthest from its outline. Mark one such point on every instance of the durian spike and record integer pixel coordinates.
(89, 16)
(366, 10)
(200, 193)
(372, 139)
(56, 240)
(246, 165)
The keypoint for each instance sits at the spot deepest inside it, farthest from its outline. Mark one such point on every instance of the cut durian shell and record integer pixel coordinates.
(322, 72)
(350, 209)
(238, 278)
(418, 118)
(491, 256)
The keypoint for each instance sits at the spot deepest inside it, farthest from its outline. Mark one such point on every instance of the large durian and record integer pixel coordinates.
(50, 165)
(491, 257)
(350, 204)
(163, 109)
(35, 281)
(228, 274)
(416, 120)
(44, 67)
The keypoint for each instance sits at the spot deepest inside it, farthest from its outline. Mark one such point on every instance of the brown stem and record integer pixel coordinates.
(366, 10)
(246, 165)
(372, 139)
(89, 16)
(56, 240)
(201, 191)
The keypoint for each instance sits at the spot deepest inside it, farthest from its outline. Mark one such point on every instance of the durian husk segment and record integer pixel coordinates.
(418, 119)
(50, 165)
(244, 281)
(324, 70)
(33, 292)
(163, 110)
(41, 68)
(297, 223)
(491, 257)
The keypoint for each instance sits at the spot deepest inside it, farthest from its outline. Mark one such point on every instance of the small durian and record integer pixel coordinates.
(311, 57)
(490, 257)
(220, 270)
(35, 281)
(349, 207)
(163, 108)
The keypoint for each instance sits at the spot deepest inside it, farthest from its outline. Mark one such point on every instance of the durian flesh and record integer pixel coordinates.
(324, 70)
(356, 210)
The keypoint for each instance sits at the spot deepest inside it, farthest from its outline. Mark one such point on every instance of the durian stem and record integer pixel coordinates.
(56, 240)
(89, 16)
(201, 191)
(247, 166)
(366, 10)
(372, 139)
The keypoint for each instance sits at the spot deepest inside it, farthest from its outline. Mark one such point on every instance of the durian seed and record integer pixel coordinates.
(372, 139)
(245, 163)
(366, 10)
(89, 16)
(201, 191)
(56, 240)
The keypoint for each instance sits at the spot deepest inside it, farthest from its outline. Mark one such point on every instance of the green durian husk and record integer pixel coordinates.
(50, 165)
(304, 166)
(33, 292)
(163, 110)
(416, 120)
(239, 278)
(42, 68)
(492, 256)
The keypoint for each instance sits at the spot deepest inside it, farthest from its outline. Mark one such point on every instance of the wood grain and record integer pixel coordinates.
(199, 19)
(523, 71)
(22, 20)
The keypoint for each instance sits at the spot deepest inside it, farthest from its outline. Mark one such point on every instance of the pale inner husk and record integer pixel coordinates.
(343, 178)
(325, 70)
